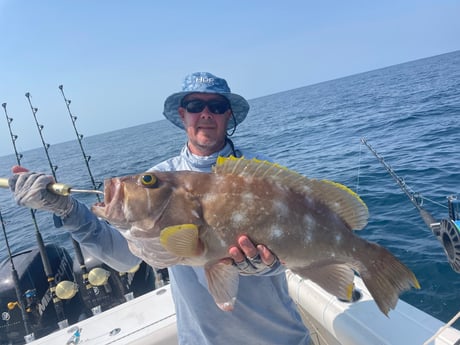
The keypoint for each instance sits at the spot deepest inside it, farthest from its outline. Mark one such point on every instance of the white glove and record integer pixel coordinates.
(29, 190)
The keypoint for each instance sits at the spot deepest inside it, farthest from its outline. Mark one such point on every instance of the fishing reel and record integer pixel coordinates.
(448, 233)
(449, 236)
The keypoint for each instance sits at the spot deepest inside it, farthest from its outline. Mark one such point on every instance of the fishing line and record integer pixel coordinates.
(432, 201)
(359, 167)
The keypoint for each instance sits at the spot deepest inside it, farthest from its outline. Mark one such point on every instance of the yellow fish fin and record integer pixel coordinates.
(182, 240)
(246, 167)
(341, 199)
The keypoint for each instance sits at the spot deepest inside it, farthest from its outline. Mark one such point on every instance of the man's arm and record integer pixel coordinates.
(96, 236)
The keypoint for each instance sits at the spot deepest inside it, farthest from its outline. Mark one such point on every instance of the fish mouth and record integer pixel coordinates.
(112, 192)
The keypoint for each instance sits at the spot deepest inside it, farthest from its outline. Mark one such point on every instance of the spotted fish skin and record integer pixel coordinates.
(193, 218)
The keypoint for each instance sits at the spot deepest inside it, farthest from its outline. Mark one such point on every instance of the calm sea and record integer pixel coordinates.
(410, 113)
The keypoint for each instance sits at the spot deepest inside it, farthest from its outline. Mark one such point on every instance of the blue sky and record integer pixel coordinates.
(119, 60)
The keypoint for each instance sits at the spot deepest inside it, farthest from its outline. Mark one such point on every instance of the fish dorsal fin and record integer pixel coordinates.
(342, 200)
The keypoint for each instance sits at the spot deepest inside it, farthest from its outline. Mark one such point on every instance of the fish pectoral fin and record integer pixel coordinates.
(337, 279)
(223, 281)
(182, 240)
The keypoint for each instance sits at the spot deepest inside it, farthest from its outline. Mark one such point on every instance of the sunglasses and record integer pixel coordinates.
(215, 106)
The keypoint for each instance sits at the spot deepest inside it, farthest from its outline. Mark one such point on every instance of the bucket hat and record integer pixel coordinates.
(206, 83)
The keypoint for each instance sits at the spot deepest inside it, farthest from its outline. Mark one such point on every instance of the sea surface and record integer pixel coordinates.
(410, 113)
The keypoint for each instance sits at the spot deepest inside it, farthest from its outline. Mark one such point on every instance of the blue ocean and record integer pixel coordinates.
(410, 113)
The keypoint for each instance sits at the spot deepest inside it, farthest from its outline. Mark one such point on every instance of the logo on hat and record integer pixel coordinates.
(204, 80)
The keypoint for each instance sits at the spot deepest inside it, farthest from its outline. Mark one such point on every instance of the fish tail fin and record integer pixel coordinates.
(385, 277)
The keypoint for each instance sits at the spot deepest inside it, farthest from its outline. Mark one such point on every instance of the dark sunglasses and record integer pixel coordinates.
(215, 106)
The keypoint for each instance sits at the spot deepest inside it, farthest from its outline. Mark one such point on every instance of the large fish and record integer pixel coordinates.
(193, 218)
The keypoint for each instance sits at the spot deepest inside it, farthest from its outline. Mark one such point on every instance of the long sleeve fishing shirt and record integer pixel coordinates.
(264, 312)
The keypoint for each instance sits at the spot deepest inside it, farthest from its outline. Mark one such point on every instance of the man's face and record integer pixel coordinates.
(206, 130)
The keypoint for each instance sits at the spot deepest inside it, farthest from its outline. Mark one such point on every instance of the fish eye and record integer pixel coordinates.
(149, 180)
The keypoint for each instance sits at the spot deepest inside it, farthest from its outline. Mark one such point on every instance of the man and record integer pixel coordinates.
(264, 312)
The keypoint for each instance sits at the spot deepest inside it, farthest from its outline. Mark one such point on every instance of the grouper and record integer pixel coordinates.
(193, 218)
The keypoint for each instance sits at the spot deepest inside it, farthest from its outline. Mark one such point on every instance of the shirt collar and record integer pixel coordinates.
(205, 161)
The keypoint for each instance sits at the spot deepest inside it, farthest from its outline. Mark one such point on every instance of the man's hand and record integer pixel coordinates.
(30, 190)
(251, 259)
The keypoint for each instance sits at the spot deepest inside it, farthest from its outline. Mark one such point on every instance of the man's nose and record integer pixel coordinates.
(205, 114)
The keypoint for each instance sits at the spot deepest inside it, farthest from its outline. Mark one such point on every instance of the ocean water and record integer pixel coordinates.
(410, 113)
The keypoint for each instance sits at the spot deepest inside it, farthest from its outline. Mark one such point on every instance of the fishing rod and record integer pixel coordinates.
(32, 212)
(447, 231)
(17, 287)
(63, 290)
(57, 302)
(98, 276)
(415, 198)
(96, 186)
(86, 157)
(62, 322)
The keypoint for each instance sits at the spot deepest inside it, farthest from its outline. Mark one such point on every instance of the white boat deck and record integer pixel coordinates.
(145, 320)
(150, 319)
